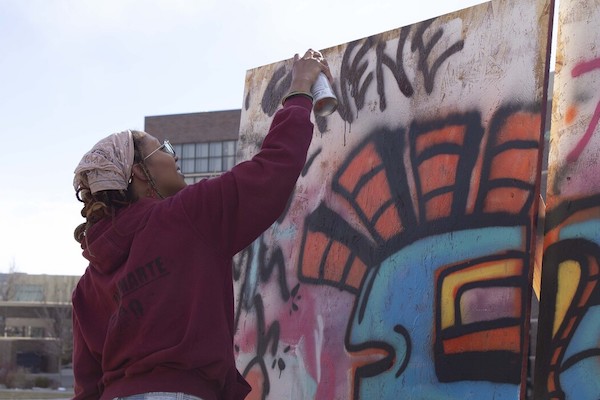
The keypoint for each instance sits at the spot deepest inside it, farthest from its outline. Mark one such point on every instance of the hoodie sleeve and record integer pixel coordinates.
(87, 371)
(86, 368)
(235, 208)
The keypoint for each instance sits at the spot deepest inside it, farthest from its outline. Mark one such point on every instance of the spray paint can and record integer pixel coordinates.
(324, 100)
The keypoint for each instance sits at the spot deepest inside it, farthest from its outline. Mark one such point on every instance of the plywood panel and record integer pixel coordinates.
(568, 343)
(401, 267)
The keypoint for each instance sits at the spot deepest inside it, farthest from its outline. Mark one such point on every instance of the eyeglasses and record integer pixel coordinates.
(166, 147)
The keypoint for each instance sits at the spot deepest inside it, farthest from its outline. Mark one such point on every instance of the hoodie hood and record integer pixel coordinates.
(107, 242)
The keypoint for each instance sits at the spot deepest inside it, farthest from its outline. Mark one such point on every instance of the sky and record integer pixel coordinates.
(75, 71)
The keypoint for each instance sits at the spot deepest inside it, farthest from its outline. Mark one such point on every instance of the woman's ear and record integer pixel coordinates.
(137, 172)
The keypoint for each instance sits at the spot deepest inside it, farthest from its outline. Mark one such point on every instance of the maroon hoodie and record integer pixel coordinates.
(154, 310)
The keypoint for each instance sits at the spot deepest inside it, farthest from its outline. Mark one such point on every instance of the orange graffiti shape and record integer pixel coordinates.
(519, 164)
(439, 206)
(520, 126)
(506, 199)
(356, 274)
(388, 224)
(375, 196)
(454, 134)
(340, 265)
(256, 380)
(337, 257)
(438, 172)
(314, 250)
(570, 114)
(498, 339)
(364, 162)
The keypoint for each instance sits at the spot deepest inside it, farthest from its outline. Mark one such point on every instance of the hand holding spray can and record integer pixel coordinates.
(324, 100)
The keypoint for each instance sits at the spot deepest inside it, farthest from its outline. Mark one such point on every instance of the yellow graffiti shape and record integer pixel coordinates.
(569, 275)
(477, 273)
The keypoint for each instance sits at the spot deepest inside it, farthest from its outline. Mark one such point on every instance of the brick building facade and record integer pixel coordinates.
(205, 142)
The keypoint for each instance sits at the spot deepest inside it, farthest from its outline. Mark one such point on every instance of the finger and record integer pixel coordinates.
(325, 69)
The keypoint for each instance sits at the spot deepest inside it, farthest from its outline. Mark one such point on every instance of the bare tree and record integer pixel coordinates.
(59, 332)
(7, 285)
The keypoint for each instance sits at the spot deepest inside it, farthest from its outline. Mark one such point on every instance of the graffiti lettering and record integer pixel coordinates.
(253, 265)
(355, 78)
(395, 66)
(351, 76)
(424, 50)
(265, 336)
(278, 86)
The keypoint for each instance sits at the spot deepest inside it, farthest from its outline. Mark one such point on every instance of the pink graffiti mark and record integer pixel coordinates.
(578, 70)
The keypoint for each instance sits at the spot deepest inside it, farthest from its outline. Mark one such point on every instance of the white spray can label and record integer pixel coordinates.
(324, 100)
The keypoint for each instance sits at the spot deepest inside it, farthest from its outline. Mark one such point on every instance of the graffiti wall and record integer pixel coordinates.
(568, 352)
(401, 266)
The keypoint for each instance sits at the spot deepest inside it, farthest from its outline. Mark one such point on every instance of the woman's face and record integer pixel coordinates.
(162, 167)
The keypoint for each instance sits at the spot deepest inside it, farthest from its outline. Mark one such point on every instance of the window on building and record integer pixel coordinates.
(14, 331)
(27, 292)
(198, 160)
(37, 331)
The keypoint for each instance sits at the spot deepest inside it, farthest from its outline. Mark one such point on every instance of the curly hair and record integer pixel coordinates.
(105, 203)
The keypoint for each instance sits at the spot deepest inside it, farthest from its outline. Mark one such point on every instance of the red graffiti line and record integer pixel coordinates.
(578, 70)
(584, 67)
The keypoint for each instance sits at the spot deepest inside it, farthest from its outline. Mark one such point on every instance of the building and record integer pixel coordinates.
(35, 321)
(205, 142)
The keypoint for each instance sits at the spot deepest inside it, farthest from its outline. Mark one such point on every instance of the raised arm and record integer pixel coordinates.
(238, 206)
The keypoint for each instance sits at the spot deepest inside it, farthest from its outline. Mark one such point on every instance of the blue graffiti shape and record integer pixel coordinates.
(416, 238)
(402, 331)
(399, 293)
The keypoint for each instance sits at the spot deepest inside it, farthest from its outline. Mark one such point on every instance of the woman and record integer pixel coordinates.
(153, 313)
